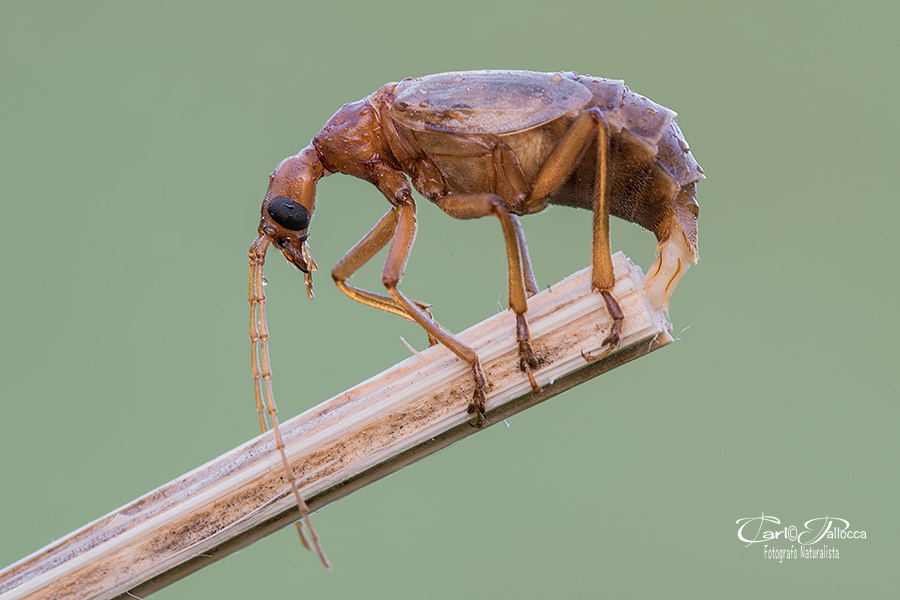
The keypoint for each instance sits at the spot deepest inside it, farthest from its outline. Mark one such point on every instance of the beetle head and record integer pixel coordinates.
(287, 210)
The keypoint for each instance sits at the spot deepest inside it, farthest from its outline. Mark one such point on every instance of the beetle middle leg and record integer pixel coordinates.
(521, 277)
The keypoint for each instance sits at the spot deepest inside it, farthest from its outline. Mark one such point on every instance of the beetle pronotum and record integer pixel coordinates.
(477, 144)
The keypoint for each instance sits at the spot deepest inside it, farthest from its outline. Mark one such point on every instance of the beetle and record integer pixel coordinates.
(487, 143)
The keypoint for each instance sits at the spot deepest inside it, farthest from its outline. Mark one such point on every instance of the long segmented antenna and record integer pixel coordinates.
(262, 381)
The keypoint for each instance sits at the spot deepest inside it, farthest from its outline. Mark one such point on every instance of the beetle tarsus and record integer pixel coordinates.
(612, 340)
(615, 311)
(477, 406)
(534, 384)
(615, 332)
(528, 362)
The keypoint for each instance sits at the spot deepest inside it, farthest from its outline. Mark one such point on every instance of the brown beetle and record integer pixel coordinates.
(480, 143)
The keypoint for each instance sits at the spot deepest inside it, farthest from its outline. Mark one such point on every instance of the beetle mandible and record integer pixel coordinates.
(482, 143)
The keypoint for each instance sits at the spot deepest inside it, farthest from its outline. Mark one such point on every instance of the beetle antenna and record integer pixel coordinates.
(262, 383)
(257, 299)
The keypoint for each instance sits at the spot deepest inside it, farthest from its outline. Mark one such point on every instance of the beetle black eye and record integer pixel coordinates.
(288, 213)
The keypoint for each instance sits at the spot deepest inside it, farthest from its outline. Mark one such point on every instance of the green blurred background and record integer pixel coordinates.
(136, 143)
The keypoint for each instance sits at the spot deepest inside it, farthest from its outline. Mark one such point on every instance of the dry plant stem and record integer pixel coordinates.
(395, 418)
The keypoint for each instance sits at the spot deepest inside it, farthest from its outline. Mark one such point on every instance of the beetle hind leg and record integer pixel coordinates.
(603, 276)
(590, 126)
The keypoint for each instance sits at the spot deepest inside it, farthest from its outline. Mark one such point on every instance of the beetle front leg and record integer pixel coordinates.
(363, 251)
(401, 245)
